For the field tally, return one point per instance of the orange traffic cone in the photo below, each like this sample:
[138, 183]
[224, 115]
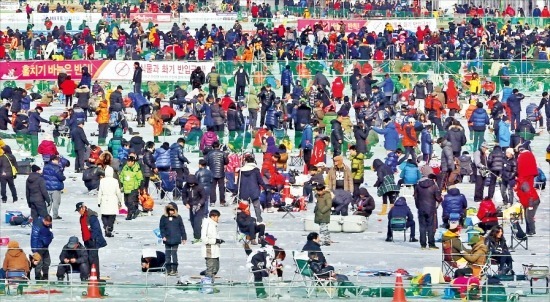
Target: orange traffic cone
[93, 287]
[399, 292]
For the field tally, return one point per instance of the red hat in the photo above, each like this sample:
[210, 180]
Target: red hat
[243, 206]
[270, 239]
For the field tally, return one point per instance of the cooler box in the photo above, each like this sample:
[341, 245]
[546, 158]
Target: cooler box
[10, 214]
[354, 224]
[24, 167]
[335, 225]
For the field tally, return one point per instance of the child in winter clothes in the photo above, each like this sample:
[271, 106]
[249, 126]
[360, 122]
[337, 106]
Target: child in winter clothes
[316, 178]
[426, 143]
[341, 201]
[172, 232]
[365, 203]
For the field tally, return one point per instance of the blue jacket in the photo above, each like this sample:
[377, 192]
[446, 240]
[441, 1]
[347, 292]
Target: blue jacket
[86, 78]
[426, 146]
[207, 110]
[297, 92]
[162, 157]
[506, 93]
[514, 102]
[504, 134]
[272, 117]
[454, 202]
[388, 86]
[138, 100]
[410, 174]
[400, 209]
[479, 119]
[123, 154]
[307, 138]
[41, 236]
[177, 158]
[251, 180]
[391, 137]
[34, 121]
[391, 161]
[53, 175]
[286, 77]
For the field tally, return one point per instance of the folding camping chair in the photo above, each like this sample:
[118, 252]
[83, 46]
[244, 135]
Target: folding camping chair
[534, 273]
[448, 265]
[399, 224]
[518, 236]
[166, 184]
[16, 279]
[311, 280]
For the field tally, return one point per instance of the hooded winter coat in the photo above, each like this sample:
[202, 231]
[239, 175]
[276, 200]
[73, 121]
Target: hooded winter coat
[509, 170]
[400, 209]
[251, 180]
[454, 202]
[83, 96]
[477, 257]
[358, 167]
[504, 134]
[487, 211]
[323, 207]
[479, 119]
[208, 139]
[171, 226]
[115, 144]
[109, 196]
[447, 158]
[456, 136]
[218, 115]
[192, 193]
[427, 195]
[361, 134]
[130, 178]
[15, 259]
[162, 157]
[495, 160]
[177, 156]
[41, 236]
[410, 174]
[36, 192]
[453, 238]
[391, 136]
[337, 132]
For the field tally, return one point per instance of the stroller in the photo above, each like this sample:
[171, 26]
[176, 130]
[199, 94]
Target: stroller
[166, 183]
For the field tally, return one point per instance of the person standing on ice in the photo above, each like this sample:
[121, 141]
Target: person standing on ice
[172, 232]
[91, 234]
[211, 244]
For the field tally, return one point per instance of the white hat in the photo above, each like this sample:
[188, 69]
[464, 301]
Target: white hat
[149, 253]
[411, 120]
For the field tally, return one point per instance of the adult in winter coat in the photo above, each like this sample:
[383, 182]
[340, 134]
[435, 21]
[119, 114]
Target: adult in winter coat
[34, 128]
[391, 136]
[409, 141]
[447, 162]
[525, 190]
[322, 213]
[340, 175]
[286, 80]
[36, 194]
[479, 121]
[496, 243]
[47, 148]
[454, 203]
[361, 134]
[385, 184]
[109, 200]
[341, 202]
[194, 199]
[7, 160]
[248, 225]
[241, 81]
[410, 174]
[364, 203]
[487, 214]
[357, 168]
[162, 157]
[306, 144]
[514, 104]
[15, 259]
[137, 77]
[457, 137]
[86, 79]
[337, 135]
[218, 116]
[495, 163]
[74, 253]
[234, 121]
[53, 175]
[508, 176]
[204, 178]
[82, 94]
[481, 163]
[217, 160]
[250, 185]
[427, 195]
[477, 256]
[41, 238]
[80, 142]
[178, 161]
[272, 117]
[91, 235]
[148, 165]
[211, 241]
[338, 89]
[401, 210]
[504, 133]
[526, 130]
[141, 105]
[5, 116]
[303, 116]
[544, 103]
[172, 232]
[115, 143]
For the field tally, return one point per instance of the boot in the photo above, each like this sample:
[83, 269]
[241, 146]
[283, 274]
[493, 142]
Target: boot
[412, 239]
[351, 287]
[342, 292]
[383, 212]
[260, 291]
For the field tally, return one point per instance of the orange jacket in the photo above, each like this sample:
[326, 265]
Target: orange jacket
[248, 55]
[470, 111]
[157, 124]
[409, 136]
[102, 113]
[14, 43]
[146, 201]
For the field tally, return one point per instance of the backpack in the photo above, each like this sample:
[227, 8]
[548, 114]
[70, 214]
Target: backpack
[540, 178]
[114, 119]
[20, 220]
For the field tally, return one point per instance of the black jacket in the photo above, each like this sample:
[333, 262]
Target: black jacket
[35, 190]
[91, 177]
[337, 132]
[148, 164]
[251, 180]
[303, 116]
[116, 101]
[360, 135]
[79, 139]
[137, 144]
[509, 170]
[382, 170]
[193, 194]
[172, 228]
[179, 95]
[156, 262]
[234, 121]
[216, 161]
[4, 118]
[426, 196]
[5, 166]
[204, 178]
[456, 137]
[241, 78]
[79, 253]
[312, 246]
[177, 156]
[137, 75]
[495, 160]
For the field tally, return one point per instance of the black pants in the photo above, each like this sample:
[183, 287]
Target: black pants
[410, 224]
[356, 184]
[38, 209]
[220, 182]
[196, 221]
[492, 183]
[108, 222]
[307, 156]
[391, 196]
[93, 256]
[171, 252]
[427, 230]
[69, 100]
[180, 178]
[408, 151]
[79, 160]
[530, 213]
[286, 89]
[213, 91]
[263, 112]
[253, 115]
[479, 187]
[131, 202]
[83, 268]
[252, 229]
[239, 91]
[9, 182]
[137, 87]
[102, 131]
[336, 149]
[42, 268]
[141, 112]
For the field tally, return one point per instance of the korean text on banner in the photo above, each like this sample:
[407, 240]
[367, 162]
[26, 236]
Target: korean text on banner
[150, 17]
[45, 70]
[208, 17]
[372, 25]
[62, 18]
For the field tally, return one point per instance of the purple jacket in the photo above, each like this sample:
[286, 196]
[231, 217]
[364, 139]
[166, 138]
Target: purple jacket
[208, 139]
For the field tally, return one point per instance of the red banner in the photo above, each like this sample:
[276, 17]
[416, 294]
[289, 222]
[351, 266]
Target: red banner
[46, 70]
[151, 17]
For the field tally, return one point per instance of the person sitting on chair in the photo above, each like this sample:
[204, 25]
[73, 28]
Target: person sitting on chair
[247, 224]
[499, 250]
[324, 271]
[152, 260]
[74, 253]
[487, 214]
[15, 260]
[364, 203]
[477, 256]
[454, 203]
[401, 210]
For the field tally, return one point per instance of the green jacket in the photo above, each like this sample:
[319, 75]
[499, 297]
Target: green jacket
[358, 166]
[213, 79]
[252, 100]
[116, 142]
[322, 209]
[131, 178]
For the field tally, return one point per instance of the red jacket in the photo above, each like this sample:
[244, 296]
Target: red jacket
[47, 148]
[68, 87]
[319, 152]
[254, 11]
[525, 185]
[167, 111]
[338, 88]
[545, 13]
[226, 102]
[487, 211]
[409, 136]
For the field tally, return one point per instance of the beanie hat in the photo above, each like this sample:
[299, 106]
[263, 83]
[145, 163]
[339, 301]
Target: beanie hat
[243, 206]
[474, 239]
[35, 168]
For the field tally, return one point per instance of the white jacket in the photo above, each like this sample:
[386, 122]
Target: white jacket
[209, 234]
[109, 195]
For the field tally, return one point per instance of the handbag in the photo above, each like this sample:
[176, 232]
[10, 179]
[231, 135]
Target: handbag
[13, 168]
